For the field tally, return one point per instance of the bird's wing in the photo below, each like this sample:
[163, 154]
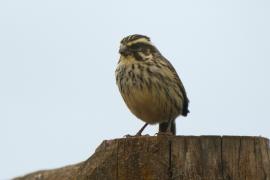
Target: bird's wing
[180, 85]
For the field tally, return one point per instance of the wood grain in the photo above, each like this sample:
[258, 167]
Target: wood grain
[171, 158]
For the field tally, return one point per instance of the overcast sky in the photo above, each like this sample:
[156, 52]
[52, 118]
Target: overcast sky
[58, 96]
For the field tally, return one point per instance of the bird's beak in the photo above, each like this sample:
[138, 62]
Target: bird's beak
[122, 49]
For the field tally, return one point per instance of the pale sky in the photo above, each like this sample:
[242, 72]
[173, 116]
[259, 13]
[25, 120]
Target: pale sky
[58, 96]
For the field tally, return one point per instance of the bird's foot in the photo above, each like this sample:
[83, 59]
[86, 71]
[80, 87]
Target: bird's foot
[136, 135]
[164, 134]
[128, 136]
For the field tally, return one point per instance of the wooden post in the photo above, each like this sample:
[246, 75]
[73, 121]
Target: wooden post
[171, 158]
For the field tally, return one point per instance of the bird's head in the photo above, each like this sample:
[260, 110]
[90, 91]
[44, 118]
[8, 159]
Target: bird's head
[136, 45]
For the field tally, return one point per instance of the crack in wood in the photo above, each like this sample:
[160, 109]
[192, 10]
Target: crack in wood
[173, 158]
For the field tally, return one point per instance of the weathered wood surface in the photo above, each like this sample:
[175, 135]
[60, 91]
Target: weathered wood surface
[171, 158]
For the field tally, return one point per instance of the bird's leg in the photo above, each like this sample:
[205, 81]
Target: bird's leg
[173, 127]
[166, 128]
[139, 133]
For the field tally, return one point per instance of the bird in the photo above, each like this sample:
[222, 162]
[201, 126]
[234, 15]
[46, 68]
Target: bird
[149, 84]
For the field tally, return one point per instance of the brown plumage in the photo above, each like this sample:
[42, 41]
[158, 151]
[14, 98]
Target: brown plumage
[149, 84]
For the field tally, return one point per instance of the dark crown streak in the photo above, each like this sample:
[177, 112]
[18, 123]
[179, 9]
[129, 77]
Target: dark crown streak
[133, 37]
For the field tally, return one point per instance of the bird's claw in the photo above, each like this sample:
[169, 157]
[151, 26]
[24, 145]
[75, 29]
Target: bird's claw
[136, 135]
[164, 134]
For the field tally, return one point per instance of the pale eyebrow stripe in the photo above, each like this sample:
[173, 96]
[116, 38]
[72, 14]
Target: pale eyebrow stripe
[140, 40]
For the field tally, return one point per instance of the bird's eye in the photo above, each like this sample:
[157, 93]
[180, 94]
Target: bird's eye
[136, 47]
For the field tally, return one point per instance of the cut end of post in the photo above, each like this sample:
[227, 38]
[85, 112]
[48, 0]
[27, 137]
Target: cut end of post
[171, 157]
